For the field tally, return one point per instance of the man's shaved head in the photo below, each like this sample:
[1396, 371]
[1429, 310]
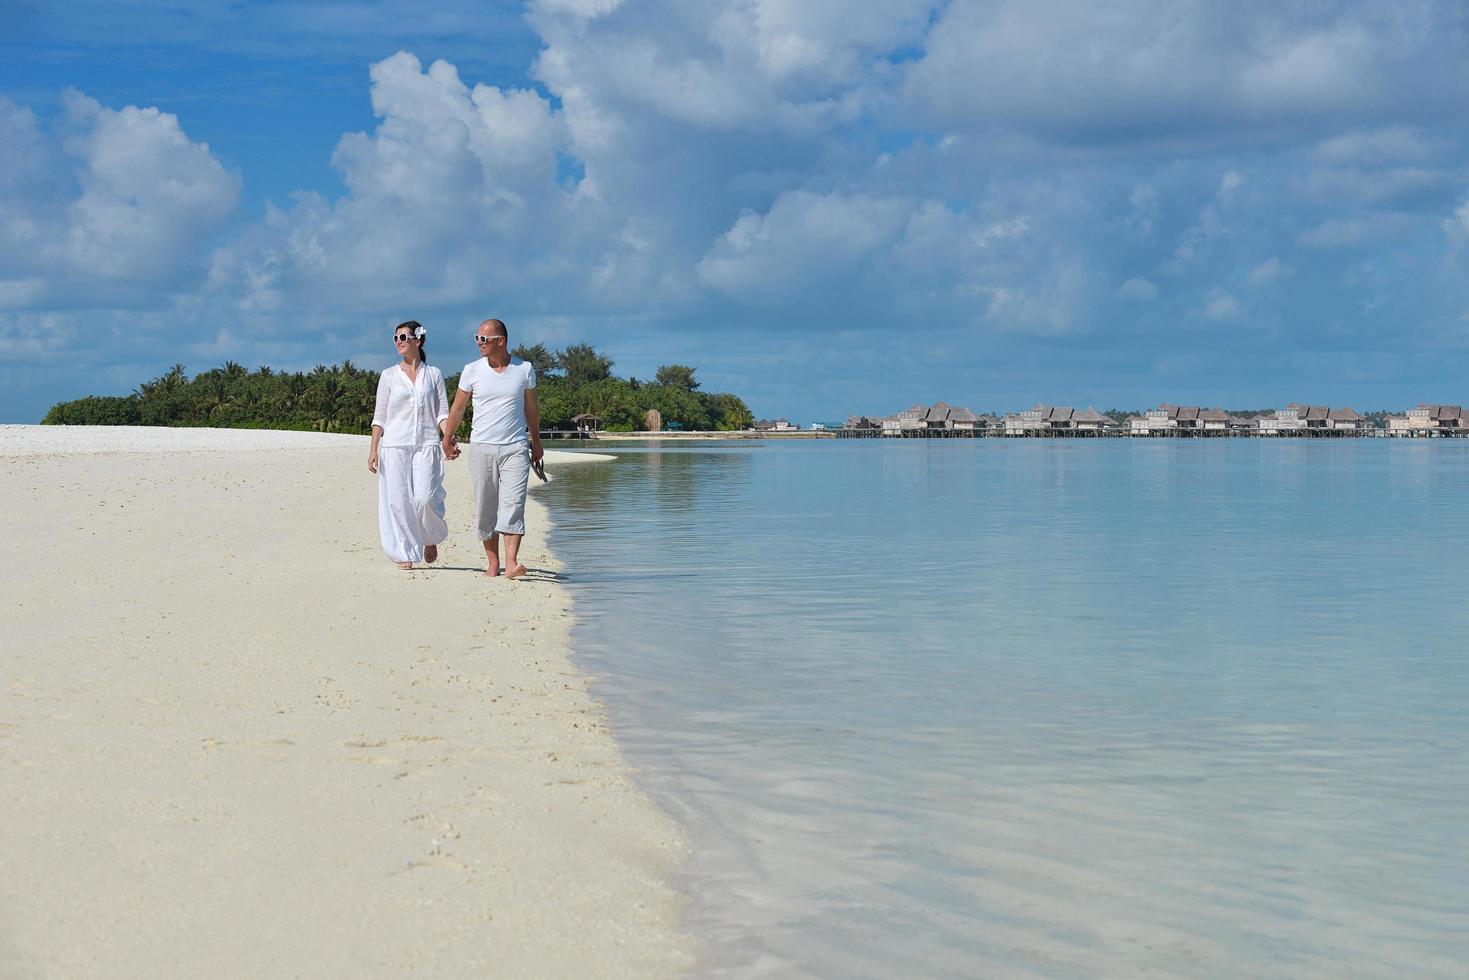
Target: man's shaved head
[497, 326]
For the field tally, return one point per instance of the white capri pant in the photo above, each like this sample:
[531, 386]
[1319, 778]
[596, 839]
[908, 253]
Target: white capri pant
[500, 475]
[410, 499]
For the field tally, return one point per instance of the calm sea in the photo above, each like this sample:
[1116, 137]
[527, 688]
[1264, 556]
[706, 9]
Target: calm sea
[1050, 708]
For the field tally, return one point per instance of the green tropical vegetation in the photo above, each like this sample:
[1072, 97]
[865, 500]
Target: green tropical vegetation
[340, 398]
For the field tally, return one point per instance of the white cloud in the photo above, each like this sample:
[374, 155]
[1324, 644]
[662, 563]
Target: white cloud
[732, 65]
[834, 40]
[1322, 66]
[585, 9]
[1221, 306]
[1138, 289]
[840, 256]
[1194, 244]
[149, 195]
[1407, 186]
[1367, 229]
[1145, 210]
[1456, 225]
[31, 336]
[453, 195]
[1144, 70]
[113, 206]
[803, 239]
[1394, 144]
[1265, 273]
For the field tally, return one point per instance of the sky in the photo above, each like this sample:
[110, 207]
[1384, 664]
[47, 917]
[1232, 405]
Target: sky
[828, 208]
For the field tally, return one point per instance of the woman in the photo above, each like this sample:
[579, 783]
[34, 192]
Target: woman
[407, 430]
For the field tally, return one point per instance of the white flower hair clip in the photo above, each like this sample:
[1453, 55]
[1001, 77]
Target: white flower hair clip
[419, 332]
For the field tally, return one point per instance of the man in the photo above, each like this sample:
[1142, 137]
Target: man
[506, 417]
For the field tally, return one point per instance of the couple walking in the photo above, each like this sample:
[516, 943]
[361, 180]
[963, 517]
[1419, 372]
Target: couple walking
[413, 433]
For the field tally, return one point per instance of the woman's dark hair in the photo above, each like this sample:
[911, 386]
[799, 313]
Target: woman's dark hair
[413, 326]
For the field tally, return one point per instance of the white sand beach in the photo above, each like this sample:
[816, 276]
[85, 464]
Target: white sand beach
[236, 741]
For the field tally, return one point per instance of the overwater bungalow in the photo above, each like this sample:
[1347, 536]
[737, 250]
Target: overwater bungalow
[963, 420]
[1090, 420]
[1055, 420]
[1348, 420]
[1431, 420]
[1283, 421]
[908, 420]
[1312, 420]
[1154, 422]
[1185, 420]
[1216, 421]
[1296, 419]
[938, 419]
[1031, 422]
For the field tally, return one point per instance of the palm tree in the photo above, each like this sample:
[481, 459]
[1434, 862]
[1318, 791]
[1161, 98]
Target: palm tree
[215, 396]
[321, 398]
[296, 387]
[169, 383]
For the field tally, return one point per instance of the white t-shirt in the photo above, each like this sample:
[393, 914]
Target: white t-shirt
[499, 400]
[409, 412]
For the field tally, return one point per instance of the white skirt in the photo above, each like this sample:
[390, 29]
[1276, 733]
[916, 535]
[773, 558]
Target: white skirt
[410, 499]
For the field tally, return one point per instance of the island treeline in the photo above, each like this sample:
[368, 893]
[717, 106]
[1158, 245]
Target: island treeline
[340, 398]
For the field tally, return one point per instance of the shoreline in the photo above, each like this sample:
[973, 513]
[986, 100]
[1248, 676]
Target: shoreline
[706, 436]
[236, 741]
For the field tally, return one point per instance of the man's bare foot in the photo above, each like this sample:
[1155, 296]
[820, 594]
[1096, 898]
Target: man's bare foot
[405, 564]
[493, 569]
[430, 554]
[515, 571]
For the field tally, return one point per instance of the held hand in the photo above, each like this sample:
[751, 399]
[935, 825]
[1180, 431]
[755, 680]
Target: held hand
[450, 447]
[372, 461]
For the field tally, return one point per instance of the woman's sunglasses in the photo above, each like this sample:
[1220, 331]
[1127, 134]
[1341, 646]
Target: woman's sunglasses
[403, 338]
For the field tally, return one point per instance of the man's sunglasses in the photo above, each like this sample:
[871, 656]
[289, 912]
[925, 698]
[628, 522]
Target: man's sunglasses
[485, 340]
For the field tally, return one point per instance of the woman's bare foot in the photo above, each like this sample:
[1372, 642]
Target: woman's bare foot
[515, 571]
[405, 564]
[430, 554]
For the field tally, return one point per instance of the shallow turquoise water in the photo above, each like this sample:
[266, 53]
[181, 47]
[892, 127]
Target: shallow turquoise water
[1044, 708]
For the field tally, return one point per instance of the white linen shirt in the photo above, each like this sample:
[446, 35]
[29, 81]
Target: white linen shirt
[409, 412]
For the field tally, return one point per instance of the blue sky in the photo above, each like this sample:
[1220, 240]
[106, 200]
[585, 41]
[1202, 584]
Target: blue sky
[827, 207]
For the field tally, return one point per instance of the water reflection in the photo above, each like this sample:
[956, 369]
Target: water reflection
[1065, 708]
